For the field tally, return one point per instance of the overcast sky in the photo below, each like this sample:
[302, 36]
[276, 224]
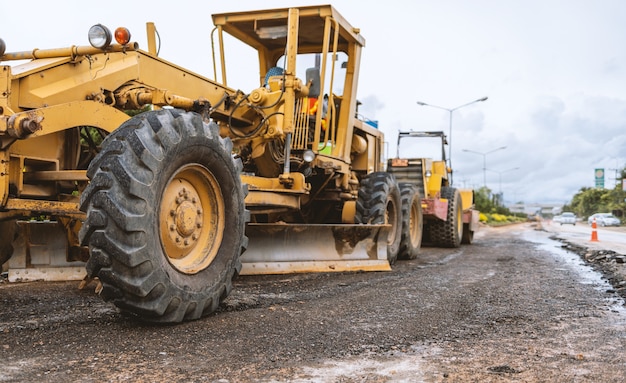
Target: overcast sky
[554, 72]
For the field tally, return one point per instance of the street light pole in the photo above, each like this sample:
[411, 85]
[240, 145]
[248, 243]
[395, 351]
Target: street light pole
[484, 154]
[500, 176]
[450, 111]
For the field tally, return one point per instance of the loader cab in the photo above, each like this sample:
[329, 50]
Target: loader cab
[422, 161]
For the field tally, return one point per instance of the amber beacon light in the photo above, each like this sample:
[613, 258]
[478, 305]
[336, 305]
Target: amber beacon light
[122, 35]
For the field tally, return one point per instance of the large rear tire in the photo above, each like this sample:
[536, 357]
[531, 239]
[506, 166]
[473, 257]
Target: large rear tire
[412, 221]
[379, 203]
[165, 216]
[448, 233]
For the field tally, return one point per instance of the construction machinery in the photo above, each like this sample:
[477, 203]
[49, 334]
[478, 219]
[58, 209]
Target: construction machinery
[167, 184]
[449, 214]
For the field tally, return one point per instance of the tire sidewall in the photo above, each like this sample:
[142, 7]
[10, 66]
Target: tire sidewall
[395, 202]
[204, 152]
[454, 223]
[410, 197]
[378, 193]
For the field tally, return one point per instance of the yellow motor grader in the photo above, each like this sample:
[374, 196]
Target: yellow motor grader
[167, 184]
[448, 213]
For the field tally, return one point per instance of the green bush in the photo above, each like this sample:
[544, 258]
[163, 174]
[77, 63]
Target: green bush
[499, 219]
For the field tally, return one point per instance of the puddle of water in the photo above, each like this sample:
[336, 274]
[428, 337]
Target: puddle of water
[573, 262]
[397, 367]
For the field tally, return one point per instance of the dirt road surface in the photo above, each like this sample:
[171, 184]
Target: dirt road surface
[512, 307]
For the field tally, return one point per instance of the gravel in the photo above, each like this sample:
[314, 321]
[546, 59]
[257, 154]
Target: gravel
[514, 306]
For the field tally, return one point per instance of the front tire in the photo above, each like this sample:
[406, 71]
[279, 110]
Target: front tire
[165, 216]
[412, 222]
[379, 203]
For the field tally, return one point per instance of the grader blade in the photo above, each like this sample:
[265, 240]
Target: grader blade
[299, 248]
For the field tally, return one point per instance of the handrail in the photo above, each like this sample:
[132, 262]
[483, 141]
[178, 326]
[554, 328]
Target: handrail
[72, 51]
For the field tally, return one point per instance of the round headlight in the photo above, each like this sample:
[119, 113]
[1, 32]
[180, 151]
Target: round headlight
[99, 36]
[308, 156]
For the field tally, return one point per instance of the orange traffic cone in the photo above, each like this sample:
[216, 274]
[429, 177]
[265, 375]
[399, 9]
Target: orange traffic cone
[594, 231]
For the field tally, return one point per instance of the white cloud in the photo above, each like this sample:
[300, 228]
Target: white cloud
[554, 72]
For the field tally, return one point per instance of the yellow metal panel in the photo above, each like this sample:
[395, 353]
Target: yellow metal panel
[263, 268]
[5, 75]
[77, 113]
[467, 196]
[151, 33]
[434, 185]
[439, 167]
[46, 207]
[4, 177]
[38, 65]
[271, 200]
[299, 185]
[62, 83]
[69, 273]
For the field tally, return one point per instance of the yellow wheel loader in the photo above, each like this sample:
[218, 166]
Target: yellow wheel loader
[167, 183]
[449, 214]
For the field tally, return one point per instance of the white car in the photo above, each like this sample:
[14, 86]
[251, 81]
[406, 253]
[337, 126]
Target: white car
[568, 218]
[604, 219]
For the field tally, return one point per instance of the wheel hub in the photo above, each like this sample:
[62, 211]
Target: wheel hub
[185, 218]
[192, 216]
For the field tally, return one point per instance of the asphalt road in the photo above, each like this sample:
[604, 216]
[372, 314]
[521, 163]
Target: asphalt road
[514, 306]
[609, 238]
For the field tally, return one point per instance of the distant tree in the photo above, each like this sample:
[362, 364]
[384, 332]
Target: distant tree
[485, 203]
[482, 199]
[588, 201]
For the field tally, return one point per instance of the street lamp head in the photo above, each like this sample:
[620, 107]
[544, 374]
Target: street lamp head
[420, 103]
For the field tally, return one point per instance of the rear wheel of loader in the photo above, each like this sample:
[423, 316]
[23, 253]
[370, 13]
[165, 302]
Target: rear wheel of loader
[412, 222]
[468, 235]
[165, 216]
[448, 233]
[379, 203]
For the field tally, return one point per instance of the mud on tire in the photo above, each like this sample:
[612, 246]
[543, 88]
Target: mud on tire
[379, 203]
[412, 221]
[165, 216]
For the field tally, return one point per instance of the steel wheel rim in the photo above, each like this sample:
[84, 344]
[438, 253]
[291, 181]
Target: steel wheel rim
[459, 221]
[191, 219]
